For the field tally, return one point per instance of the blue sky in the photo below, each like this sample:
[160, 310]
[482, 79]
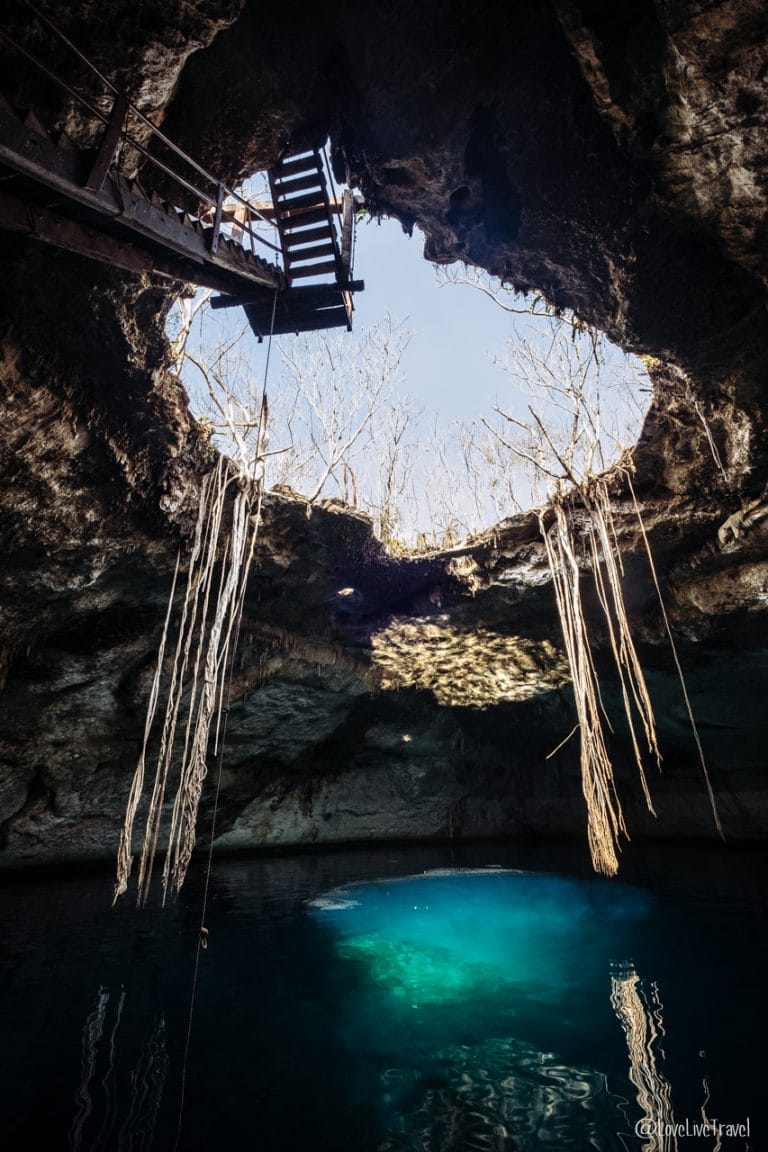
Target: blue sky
[456, 327]
[448, 370]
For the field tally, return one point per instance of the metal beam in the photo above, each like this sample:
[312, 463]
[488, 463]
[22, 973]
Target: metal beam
[42, 224]
[109, 143]
[118, 202]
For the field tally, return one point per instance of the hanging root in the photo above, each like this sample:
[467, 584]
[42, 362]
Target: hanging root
[605, 821]
[124, 858]
[194, 766]
[605, 818]
[207, 632]
[607, 572]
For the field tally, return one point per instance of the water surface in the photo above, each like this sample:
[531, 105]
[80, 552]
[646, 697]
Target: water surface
[397, 999]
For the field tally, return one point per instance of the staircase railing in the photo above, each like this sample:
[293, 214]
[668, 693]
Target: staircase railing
[116, 122]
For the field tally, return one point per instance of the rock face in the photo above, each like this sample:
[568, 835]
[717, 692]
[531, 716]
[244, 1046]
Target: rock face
[607, 156]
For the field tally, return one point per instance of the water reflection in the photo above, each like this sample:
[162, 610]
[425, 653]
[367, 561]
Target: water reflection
[478, 981]
[468, 1010]
[115, 1109]
[92, 1033]
[500, 1095]
[639, 1009]
[642, 1021]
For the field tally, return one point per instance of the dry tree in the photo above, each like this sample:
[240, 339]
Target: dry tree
[345, 421]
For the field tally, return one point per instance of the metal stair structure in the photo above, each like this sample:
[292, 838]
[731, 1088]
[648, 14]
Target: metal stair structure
[58, 195]
[304, 212]
[80, 200]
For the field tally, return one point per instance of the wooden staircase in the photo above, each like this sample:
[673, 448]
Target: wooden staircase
[303, 217]
[313, 252]
[80, 200]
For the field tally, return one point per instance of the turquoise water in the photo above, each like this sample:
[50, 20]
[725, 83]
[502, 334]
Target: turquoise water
[479, 988]
[385, 1002]
[442, 936]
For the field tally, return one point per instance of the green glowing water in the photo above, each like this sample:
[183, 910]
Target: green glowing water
[479, 1010]
[420, 973]
[484, 999]
[439, 937]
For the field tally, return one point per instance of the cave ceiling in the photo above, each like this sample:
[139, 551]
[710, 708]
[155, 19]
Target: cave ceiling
[609, 157]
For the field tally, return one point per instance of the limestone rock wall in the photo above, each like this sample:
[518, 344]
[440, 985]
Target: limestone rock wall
[607, 156]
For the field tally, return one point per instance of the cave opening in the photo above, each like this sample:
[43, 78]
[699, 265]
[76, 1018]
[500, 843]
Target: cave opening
[423, 417]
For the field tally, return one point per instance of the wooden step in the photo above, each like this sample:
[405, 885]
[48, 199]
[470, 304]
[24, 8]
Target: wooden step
[302, 297]
[317, 321]
[321, 269]
[293, 165]
[308, 216]
[303, 184]
[312, 297]
[298, 203]
[310, 236]
[284, 324]
[311, 253]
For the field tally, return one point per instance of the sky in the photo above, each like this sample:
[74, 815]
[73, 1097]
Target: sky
[457, 329]
[447, 367]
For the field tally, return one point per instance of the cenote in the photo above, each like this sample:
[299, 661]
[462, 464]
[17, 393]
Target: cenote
[397, 999]
[425, 656]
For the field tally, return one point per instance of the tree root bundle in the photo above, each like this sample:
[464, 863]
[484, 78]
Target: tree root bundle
[205, 640]
[605, 818]
[589, 503]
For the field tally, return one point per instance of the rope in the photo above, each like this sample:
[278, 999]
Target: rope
[202, 937]
[269, 349]
[678, 666]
